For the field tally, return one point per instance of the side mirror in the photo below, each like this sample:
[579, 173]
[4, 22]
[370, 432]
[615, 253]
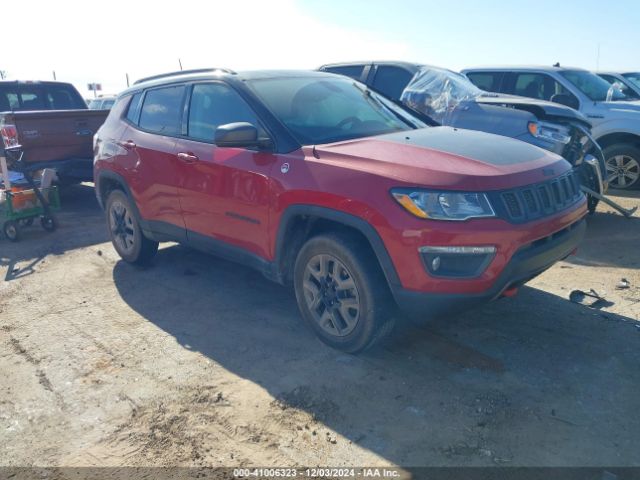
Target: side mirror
[566, 100]
[238, 135]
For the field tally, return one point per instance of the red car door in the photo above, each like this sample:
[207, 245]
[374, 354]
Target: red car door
[150, 146]
[224, 192]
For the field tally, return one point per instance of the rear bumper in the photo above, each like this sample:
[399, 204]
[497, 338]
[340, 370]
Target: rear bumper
[77, 169]
[528, 262]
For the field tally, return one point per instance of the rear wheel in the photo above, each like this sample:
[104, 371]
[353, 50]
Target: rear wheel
[342, 294]
[125, 232]
[623, 166]
[48, 223]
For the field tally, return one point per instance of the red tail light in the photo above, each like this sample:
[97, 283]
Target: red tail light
[9, 136]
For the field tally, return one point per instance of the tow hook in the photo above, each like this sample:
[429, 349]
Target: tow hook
[510, 292]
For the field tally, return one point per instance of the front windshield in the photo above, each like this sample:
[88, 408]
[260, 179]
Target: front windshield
[594, 87]
[436, 92]
[325, 109]
[633, 78]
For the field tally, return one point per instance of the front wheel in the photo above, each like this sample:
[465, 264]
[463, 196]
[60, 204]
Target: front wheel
[342, 293]
[125, 232]
[11, 230]
[623, 166]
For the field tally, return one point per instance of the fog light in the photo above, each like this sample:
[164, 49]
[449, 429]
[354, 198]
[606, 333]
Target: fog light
[435, 264]
[457, 261]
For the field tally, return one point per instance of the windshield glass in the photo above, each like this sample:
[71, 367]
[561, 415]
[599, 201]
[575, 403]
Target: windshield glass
[325, 110]
[436, 92]
[633, 78]
[594, 87]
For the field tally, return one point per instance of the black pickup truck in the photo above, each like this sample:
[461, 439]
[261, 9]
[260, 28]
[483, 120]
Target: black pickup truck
[52, 123]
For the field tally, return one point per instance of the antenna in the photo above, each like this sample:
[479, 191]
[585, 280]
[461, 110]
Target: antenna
[598, 59]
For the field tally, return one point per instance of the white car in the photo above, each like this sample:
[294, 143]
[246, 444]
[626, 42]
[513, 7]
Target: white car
[614, 116]
[102, 103]
[629, 83]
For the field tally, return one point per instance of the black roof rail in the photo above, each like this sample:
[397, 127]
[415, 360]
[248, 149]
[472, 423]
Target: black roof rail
[184, 72]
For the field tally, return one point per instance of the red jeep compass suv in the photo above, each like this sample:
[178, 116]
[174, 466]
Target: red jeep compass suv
[318, 182]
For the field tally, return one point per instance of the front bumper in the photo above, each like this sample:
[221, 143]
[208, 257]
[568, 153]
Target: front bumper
[528, 262]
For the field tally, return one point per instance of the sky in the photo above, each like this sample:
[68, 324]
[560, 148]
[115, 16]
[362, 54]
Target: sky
[106, 41]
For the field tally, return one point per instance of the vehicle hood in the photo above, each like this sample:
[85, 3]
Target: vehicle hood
[540, 108]
[447, 158]
[622, 108]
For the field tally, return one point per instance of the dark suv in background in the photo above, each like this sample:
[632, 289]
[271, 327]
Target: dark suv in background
[448, 98]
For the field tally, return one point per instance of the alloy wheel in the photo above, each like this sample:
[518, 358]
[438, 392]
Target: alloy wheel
[331, 295]
[623, 171]
[122, 228]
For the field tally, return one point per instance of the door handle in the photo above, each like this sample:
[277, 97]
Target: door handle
[187, 157]
[128, 144]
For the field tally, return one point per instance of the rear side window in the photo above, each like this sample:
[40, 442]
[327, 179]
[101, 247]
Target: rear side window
[162, 110]
[31, 99]
[215, 104]
[353, 71]
[134, 108]
[391, 81]
[8, 99]
[487, 81]
[63, 98]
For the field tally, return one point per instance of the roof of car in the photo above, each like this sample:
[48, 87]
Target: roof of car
[518, 68]
[212, 74]
[32, 82]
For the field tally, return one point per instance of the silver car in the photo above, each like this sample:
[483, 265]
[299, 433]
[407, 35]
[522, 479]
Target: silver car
[614, 115]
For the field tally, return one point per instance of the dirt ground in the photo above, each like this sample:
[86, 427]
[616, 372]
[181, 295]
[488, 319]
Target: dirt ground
[196, 361]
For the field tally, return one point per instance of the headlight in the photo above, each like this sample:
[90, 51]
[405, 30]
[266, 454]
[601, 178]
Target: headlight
[550, 131]
[444, 205]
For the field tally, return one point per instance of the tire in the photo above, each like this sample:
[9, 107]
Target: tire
[354, 317]
[622, 162]
[124, 230]
[48, 223]
[11, 230]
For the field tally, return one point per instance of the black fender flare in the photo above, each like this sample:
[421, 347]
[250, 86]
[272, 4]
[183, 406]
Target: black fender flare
[119, 179]
[365, 228]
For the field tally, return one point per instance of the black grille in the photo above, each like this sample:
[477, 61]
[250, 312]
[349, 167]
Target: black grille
[545, 198]
[513, 206]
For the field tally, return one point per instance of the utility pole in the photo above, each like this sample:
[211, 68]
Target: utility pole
[180, 63]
